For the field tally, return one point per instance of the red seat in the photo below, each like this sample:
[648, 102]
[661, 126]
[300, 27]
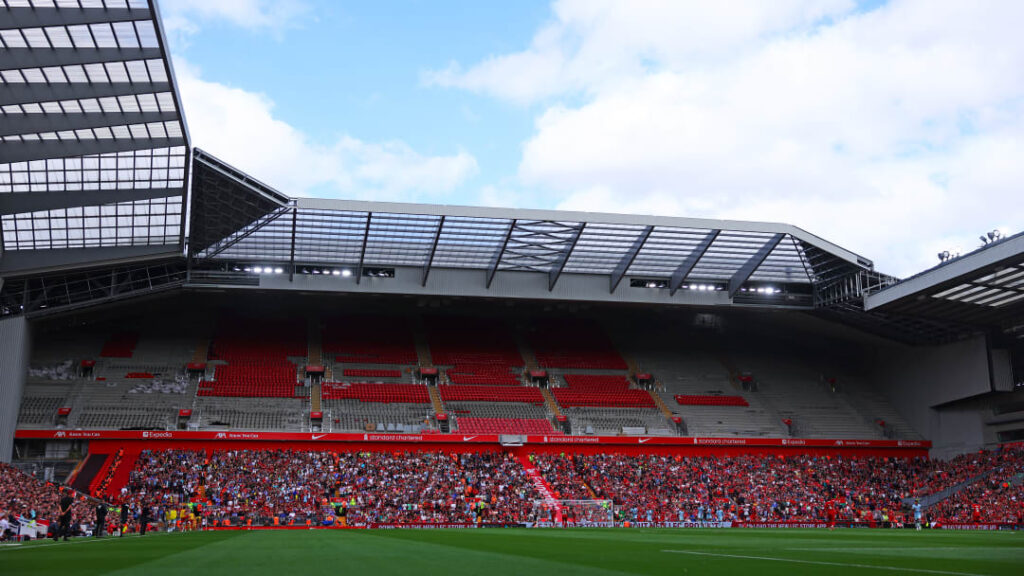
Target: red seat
[505, 426]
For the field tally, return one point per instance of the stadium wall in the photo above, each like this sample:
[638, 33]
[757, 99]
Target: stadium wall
[15, 343]
[922, 382]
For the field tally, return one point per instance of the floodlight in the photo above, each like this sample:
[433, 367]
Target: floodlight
[346, 272]
[278, 270]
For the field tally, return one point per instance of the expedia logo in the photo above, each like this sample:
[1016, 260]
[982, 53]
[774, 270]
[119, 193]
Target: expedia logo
[157, 435]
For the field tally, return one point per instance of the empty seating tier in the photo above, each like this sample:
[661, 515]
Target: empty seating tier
[471, 393]
[371, 373]
[463, 341]
[369, 340]
[484, 374]
[120, 345]
[622, 399]
[504, 426]
[575, 344]
[252, 381]
[597, 382]
[384, 393]
[710, 400]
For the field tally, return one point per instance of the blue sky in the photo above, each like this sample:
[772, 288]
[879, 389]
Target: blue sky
[891, 128]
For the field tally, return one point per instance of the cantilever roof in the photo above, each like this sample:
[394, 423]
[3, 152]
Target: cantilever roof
[984, 287]
[94, 150]
[274, 228]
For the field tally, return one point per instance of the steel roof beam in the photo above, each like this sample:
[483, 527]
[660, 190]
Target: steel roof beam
[19, 58]
[751, 265]
[247, 232]
[433, 250]
[556, 269]
[27, 202]
[362, 251]
[690, 262]
[627, 259]
[27, 93]
[28, 17]
[35, 123]
[496, 261]
[49, 149]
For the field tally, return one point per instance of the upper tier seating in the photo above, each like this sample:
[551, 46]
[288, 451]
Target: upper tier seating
[710, 400]
[121, 345]
[574, 344]
[258, 355]
[259, 341]
[469, 393]
[597, 382]
[466, 340]
[386, 393]
[621, 399]
[371, 373]
[253, 381]
[484, 374]
[469, 425]
[369, 340]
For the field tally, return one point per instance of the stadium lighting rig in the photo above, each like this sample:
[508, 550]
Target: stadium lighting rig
[993, 236]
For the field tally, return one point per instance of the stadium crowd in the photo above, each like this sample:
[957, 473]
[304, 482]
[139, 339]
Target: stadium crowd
[24, 497]
[283, 487]
[189, 489]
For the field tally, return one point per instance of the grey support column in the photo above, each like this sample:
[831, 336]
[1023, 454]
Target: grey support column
[15, 343]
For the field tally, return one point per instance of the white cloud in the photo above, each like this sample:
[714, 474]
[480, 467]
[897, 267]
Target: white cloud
[895, 133]
[240, 128]
[184, 17]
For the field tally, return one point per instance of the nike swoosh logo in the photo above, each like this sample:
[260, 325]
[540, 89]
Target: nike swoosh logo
[318, 436]
[642, 440]
[467, 438]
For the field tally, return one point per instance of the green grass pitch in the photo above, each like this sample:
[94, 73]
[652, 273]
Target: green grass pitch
[495, 552]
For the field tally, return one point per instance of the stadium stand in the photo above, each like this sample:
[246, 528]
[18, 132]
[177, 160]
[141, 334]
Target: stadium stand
[574, 344]
[368, 339]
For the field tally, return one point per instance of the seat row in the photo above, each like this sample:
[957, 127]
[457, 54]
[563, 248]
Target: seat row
[623, 399]
[710, 400]
[468, 425]
[384, 393]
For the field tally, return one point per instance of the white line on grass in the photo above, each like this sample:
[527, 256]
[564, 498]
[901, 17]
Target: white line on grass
[819, 563]
[79, 540]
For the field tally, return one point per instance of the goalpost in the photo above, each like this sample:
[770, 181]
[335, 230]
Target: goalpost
[591, 513]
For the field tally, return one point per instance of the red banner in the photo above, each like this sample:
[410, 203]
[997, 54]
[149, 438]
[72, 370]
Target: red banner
[208, 435]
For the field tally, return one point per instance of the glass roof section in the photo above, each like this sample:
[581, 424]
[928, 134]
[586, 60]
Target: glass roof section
[94, 149]
[307, 232]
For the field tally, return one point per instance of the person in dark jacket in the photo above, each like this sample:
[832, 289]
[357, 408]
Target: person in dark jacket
[64, 515]
[143, 520]
[124, 519]
[101, 520]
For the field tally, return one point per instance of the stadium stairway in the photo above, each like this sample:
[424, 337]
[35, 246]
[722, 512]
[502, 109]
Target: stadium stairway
[435, 400]
[426, 360]
[542, 486]
[119, 479]
[934, 498]
[314, 354]
[549, 401]
[88, 472]
[662, 407]
[529, 358]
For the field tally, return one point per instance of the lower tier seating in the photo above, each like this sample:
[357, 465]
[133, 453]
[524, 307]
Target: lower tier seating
[469, 425]
[567, 397]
